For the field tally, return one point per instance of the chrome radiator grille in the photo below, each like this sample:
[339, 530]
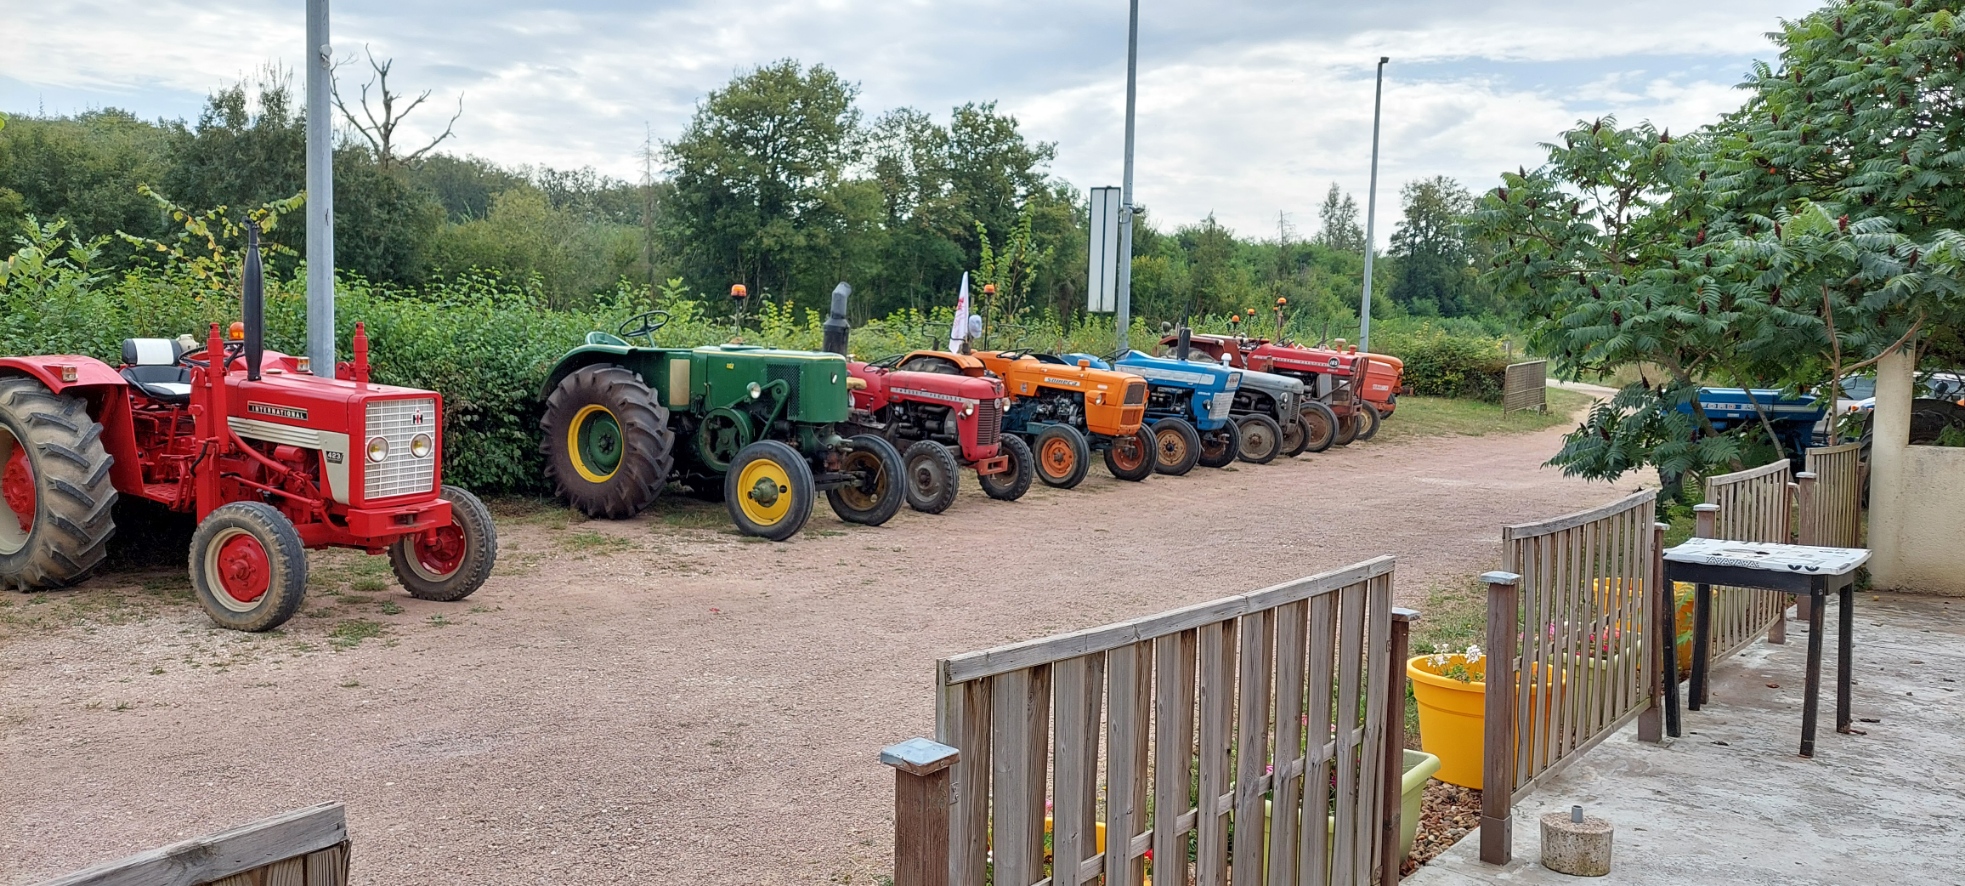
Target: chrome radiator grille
[398, 421]
[989, 423]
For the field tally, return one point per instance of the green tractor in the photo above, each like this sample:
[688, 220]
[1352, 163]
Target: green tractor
[752, 426]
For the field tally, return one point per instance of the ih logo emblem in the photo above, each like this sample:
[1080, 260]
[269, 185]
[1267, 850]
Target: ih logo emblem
[417, 418]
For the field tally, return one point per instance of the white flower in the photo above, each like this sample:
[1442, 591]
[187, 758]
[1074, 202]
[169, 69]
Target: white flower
[1473, 654]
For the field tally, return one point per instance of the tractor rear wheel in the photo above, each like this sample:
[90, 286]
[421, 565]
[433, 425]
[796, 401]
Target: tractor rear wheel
[933, 476]
[1262, 438]
[769, 490]
[1063, 456]
[449, 562]
[608, 445]
[1133, 458]
[1014, 481]
[1347, 429]
[1296, 435]
[248, 566]
[55, 491]
[1371, 419]
[1220, 448]
[878, 495]
[1322, 425]
[1177, 446]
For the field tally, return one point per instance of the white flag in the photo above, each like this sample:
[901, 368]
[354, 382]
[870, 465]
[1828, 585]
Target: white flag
[960, 329]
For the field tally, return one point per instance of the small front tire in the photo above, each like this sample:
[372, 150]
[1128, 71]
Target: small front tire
[1177, 446]
[877, 498]
[1220, 448]
[1371, 421]
[933, 476]
[1321, 422]
[769, 490]
[248, 566]
[448, 563]
[1296, 435]
[1262, 438]
[1013, 482]
[1133, 458]
[1063, 456]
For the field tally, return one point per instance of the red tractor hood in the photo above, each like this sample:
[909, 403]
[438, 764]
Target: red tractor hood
[885, 386]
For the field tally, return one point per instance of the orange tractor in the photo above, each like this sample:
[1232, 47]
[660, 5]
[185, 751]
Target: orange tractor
[1068, 410]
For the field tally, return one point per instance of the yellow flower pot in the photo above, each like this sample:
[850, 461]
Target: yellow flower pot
[1453, 714]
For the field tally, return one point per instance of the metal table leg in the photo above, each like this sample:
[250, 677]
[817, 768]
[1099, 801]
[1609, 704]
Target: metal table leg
[1812, 699]
[1667, 620]
[1844, 646]
[1702, 643]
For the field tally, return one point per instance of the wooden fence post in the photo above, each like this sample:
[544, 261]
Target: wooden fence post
[921, 801]
[1498, 742]
[1809, 534]
[1391, 863]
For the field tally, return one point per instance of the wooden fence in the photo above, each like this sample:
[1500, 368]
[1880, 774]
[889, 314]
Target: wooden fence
[1832, 508]
[1573, 649]
[1525, 386]
[305, 847]
[1277, 712]
[1756, 504]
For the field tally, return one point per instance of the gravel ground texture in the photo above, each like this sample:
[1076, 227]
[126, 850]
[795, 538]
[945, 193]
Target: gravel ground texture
[659, 700]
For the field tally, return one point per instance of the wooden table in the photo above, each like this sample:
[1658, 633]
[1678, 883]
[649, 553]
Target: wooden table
[1794, 569]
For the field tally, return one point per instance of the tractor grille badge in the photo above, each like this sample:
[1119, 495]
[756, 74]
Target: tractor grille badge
[277, 411]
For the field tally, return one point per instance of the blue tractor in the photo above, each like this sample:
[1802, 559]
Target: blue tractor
[1190, 406]
[1793, 418]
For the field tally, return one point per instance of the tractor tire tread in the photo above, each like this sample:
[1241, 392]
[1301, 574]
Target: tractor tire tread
[287, 556]
[480, 534]
[890, 502]
[1022, 472]
[941, 497]
[1324, 419]
[648, 458]
[1081, 456]
[1189, 436]
[1262, 455]
[75, 495]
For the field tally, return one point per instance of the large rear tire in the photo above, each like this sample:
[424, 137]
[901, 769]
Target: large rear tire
[450, 562]
[769, 490]
[1347, 429]
[1220, 448]
[877, 497]
[55, 491]
[933, 476]
[1322, 424]
[1371, 420]
[248, 566]
[1132, 458]
[608, 446]
[1177, 446]
[1296, 435]
[1063, 456]
[1011, 484]
[1262, 438]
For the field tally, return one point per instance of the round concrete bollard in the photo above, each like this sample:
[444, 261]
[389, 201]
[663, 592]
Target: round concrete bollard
[1575, 844]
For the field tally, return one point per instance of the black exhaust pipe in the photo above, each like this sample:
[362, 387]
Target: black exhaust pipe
[255, 305]
[836, 327]
[1183, 342]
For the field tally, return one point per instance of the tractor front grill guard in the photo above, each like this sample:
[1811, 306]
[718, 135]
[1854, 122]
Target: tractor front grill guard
[989, 423]
[1136, 394]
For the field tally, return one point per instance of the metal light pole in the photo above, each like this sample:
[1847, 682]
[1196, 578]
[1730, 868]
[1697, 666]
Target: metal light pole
[1371, 208]
[1125, 312]
[319, 60]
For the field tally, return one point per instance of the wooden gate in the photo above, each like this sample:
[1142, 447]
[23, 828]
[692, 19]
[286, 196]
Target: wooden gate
[1526, 386]
[1269, 712]
[1832, 511]
[1756, 504]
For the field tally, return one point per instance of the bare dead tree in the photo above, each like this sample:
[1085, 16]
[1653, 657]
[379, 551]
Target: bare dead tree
[381, 133]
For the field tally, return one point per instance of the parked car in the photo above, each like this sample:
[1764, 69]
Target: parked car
[1857, 399]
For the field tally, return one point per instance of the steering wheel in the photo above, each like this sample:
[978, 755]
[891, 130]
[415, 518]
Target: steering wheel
[233, 351]
[645, 324]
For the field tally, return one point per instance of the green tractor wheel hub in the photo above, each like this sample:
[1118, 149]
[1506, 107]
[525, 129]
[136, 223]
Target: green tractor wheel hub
[600, 442]
[765, 493]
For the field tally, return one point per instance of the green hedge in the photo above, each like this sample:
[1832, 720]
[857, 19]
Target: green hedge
[1439, 363]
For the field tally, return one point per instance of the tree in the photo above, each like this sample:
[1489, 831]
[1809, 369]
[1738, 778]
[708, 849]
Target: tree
[1337, 223]
[381, 134]
[84, 169]
[1435, 277]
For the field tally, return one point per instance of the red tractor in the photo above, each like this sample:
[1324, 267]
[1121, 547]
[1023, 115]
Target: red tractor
[939, 405]
[270, 459]
[1332, 377]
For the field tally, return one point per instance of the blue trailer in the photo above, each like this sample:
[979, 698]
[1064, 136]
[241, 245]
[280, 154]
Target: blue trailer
[1191, 408]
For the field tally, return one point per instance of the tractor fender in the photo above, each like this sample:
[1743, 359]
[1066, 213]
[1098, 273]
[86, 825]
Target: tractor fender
[108, 396]
[583, 357]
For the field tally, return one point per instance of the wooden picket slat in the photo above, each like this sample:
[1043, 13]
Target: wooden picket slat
[1129, 691]
[1174, 659]
[1350, 648]
[1077, 694]
[966, 726]
[1314, 843]
[1292, 656]
[1217, 687]
[1754, 505]
[1019, 736]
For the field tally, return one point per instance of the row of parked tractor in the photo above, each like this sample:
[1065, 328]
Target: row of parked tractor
[272, 458]
[766, 430]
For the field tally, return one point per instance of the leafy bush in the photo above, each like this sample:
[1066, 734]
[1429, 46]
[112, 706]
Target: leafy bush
[1444, 364]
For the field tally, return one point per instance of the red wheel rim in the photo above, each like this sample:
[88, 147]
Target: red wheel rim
[17, 488]
[440, 551]
[1059, 457]
[243, 569]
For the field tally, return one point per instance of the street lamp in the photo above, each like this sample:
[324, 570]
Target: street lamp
[1371, 208]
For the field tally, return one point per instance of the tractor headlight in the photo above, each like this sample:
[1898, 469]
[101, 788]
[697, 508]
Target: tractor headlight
[755, 390]
[421, 446]
[378, 449]
[968, 409]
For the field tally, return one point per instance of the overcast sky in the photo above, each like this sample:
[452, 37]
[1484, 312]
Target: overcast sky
[1246, 109]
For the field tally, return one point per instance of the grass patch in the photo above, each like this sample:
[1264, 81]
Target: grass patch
[351, 633]
[685, 514]
[588, 541]
[1442, 417]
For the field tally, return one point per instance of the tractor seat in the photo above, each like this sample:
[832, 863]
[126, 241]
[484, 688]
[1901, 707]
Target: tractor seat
[150, 365]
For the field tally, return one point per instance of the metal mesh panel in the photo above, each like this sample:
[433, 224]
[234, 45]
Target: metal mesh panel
[989, 423]
[399, 421]
[1135, 394]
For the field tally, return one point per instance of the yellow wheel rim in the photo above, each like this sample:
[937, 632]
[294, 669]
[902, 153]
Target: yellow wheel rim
[764, 492]
[594, 443]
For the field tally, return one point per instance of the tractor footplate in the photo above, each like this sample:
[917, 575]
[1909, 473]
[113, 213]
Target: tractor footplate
[825, 480]
[990, 467]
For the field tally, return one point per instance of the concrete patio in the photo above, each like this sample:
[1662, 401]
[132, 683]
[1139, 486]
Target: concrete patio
[1730, 802]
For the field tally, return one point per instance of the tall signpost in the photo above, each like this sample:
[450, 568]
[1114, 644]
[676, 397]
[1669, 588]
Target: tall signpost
[1371, 209]
[320, 191]
[1125, 312]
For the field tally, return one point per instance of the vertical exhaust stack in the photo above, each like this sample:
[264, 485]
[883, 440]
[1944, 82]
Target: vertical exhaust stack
[1183, 343]
[255, 305]
[836, 326]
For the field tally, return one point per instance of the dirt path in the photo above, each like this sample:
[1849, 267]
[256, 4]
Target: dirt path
[660, 701]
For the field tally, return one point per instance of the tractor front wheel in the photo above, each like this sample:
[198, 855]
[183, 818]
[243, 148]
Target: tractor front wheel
[1347, 428]
[877, 496]
[248, 566]
[1219, 449]
[449, 562]
[1133, 458]
[1063, 456]
[933, 476]
[608, 445]
[1321, 422]
[1177, 446]
[769, 490]
[1371, 420]
[55, 492]
[1296, 435]
[1262, 438]
[1014, 481]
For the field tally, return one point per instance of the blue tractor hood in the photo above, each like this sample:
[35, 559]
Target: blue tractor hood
[1168, 371]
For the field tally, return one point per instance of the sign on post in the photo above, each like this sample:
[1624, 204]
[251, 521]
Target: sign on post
[1102, 290]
